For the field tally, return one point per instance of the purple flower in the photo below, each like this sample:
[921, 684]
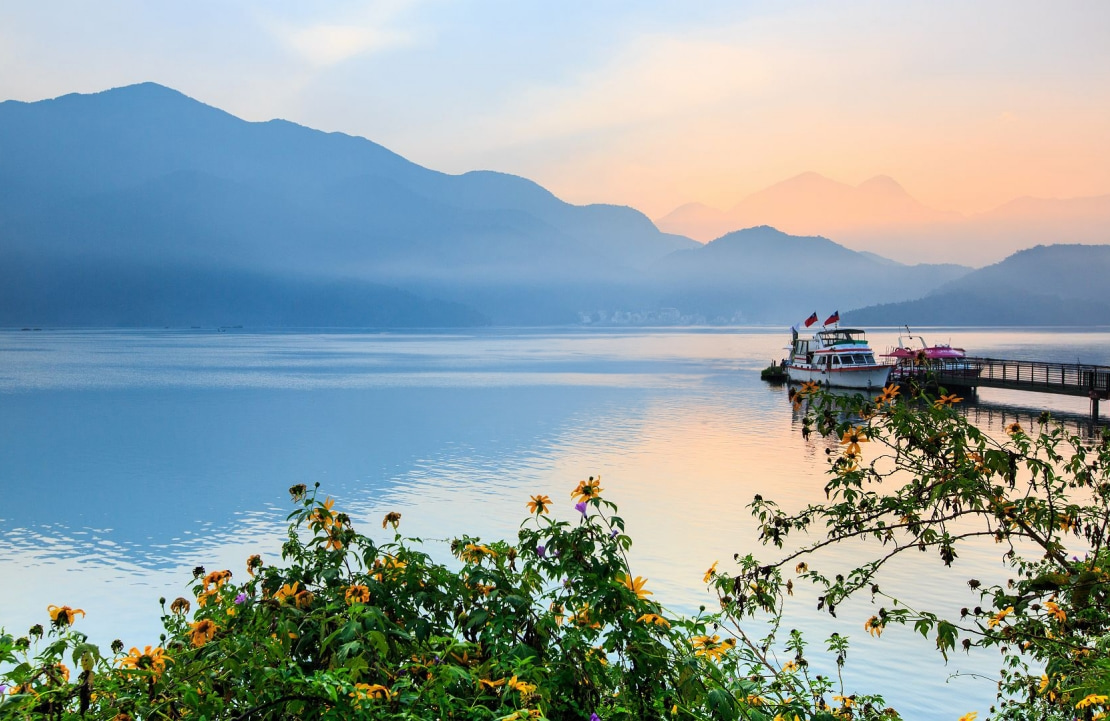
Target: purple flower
[540, 550]
[3, 689]
[595, 717]
[614, 533]
[580, 507]
[241, 598]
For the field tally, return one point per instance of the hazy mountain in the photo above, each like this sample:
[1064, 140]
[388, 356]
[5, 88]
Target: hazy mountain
[1044, 285]
[768, 275]
[880, 216]
[100, 191]
[809, 204]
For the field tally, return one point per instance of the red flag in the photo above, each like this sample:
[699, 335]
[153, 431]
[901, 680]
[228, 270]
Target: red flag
[834, 318]
[811, 320]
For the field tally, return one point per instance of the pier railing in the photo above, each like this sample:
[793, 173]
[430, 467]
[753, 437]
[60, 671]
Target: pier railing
[1073, 379]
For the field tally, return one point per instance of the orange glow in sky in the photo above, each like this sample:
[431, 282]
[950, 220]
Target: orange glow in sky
[652, 105]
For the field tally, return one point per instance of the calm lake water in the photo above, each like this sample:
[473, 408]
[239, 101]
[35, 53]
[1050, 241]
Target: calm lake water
[128, 457]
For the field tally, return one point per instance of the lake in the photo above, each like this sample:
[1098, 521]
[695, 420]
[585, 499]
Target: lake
[128, 457]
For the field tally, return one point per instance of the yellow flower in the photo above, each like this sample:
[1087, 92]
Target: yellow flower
[789, 666]
[522, 714]
[149, 659]
[286, 592]
[809, 388]
[392, 518]
[977, 459]
[874, 626]
[971, 716]
[64, 671]
[524, 688]
[491, 684]
[1044, 683]
[364, 691]
[539, 504]
[636, 585]
[582, 617]
[321, 517]
[202, 632]
[948, 400]
[334, 542]
[653, 618]
[847, 463]
[357, 594]
[801, 567]
[1092, 699]
[180, 606]
[587, 490]
[1054, 609]
[474, 553]
[852, 438]
[997, 618]
[711, 646]
[888, 395]
[63, 615]
[1013, 429]
[710, 572]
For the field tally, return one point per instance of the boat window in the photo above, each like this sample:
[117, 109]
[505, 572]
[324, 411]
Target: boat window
[860, 359]
[836, 360]
[869, 359]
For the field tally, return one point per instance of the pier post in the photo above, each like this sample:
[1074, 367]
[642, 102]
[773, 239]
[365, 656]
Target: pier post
[1094, 405]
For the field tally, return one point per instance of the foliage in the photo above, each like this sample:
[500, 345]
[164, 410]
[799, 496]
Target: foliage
[933, 483]
[555, 626]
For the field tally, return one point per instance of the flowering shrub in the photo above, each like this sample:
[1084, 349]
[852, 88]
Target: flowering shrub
[917, 476]
[554, 626]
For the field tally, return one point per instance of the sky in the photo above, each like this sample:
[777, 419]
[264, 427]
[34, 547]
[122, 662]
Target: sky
[641, 103]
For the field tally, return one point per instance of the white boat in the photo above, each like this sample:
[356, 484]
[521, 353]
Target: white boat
[838, 358]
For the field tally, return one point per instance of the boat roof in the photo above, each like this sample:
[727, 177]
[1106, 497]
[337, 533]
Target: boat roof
[836, 331]
[835, 337]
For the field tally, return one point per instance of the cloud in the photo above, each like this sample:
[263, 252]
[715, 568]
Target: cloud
[373, 28]
[324, 45]
[652, 79]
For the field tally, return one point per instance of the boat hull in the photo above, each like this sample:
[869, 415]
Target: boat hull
[865, 377]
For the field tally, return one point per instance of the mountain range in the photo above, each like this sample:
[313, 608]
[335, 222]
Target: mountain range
[1043, 285]
[139, 206]
[878, 215]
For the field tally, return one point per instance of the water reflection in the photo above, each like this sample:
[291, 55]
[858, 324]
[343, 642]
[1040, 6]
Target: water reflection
[130, 457]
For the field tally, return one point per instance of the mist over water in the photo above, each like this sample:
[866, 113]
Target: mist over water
[131, 456]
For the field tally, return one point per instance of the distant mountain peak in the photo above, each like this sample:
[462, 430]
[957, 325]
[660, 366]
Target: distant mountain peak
[883, 183]
[146, 91]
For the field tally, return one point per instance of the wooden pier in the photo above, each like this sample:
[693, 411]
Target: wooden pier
[1069, 379]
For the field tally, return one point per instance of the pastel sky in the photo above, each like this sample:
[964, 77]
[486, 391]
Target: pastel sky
[644, 103]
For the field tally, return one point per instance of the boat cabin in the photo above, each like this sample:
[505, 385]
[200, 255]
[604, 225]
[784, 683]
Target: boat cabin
[846, 360]
[834, 349]
[842, 336]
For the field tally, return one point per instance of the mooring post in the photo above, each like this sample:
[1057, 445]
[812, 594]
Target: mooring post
[1094, 405]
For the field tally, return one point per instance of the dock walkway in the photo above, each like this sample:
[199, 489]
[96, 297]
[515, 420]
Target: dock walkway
[1069, 379]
